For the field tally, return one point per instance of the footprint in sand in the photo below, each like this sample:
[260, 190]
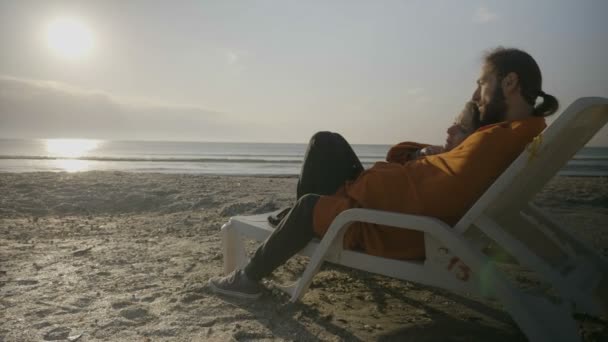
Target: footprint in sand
[132, 312]
[41, 325]
[152, 297]
[83, 302]
[121, 304]
[137, 314]
[169, 332]
[43, 312]
[60, 333]
[192, 297]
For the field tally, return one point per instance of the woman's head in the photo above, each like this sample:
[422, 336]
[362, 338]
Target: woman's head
[464, 125]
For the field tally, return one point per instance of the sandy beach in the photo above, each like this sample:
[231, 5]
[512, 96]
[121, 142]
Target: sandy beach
[109, 256]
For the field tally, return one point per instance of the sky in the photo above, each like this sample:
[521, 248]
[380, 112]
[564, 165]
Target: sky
[377, 72]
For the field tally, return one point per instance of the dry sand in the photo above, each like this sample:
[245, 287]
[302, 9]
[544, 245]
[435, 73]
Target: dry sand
[117, 256]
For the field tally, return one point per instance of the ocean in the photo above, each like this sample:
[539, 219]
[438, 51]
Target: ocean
[204, 157]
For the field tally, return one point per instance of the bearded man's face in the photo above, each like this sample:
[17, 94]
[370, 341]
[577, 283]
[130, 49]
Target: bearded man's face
[489, 97]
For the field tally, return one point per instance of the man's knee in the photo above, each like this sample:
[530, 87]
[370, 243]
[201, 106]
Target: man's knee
[321, 137]
[326, 138]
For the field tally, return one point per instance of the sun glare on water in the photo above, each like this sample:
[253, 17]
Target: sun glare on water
[70, 149]
[71, 165]
[69, 38]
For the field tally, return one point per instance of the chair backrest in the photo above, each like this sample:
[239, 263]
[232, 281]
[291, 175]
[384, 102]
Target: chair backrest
[541, 160]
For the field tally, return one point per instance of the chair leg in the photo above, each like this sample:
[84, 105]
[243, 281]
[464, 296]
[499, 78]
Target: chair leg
[232, 248]
[289, 289]
[330, 243]
[541, 320]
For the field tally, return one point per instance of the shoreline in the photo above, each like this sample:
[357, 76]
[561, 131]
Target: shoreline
[257, 175]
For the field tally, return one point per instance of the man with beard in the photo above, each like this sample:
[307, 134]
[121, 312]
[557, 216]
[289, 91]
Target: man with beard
[443, 185]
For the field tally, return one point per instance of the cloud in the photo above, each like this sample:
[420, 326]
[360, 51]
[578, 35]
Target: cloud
[415, 91]
[484, 15]
[418, 95]
[232, 57]
[47, 109]
[235, 57]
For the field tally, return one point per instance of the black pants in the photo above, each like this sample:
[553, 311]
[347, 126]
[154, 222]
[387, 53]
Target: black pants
[329, 162]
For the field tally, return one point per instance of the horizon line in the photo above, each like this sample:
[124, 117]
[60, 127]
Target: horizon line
[220, 141]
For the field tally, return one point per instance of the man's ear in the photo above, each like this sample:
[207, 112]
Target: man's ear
[510, 83]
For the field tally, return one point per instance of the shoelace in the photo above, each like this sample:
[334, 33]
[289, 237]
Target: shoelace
[233, 277]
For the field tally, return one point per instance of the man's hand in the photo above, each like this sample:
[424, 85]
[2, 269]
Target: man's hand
[430, 150]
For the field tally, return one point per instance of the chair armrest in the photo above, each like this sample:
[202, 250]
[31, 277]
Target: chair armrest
[434, 227]
[425, 224]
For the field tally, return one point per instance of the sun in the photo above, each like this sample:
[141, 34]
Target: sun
[69, 38]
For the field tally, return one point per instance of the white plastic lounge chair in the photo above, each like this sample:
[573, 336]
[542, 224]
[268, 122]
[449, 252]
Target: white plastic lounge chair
[577, 273]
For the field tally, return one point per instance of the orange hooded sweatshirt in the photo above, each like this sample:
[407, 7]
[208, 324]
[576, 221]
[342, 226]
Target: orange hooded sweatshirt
[444, 186]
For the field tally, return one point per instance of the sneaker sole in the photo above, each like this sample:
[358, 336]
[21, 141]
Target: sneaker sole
[234, 293]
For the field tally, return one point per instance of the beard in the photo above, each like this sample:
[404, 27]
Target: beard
[495, 110]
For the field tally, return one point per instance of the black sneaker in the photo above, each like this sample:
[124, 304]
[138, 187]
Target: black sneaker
[236, 284]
